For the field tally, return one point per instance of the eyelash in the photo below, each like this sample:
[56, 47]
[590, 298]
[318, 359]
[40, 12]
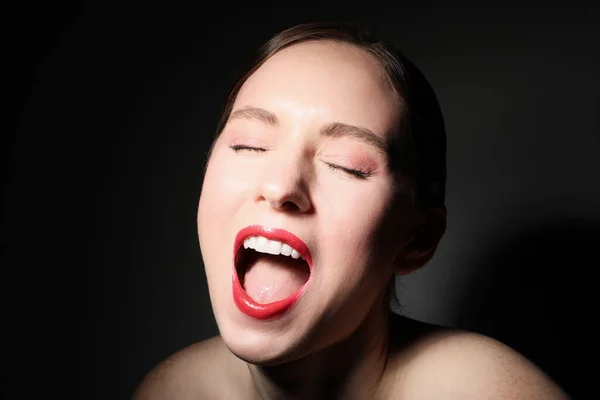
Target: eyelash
[356, 173]
[238, 147]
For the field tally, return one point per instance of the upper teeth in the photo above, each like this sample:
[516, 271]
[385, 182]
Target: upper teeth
[264, 245]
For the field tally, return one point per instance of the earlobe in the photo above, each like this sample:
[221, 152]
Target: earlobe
[421, 242]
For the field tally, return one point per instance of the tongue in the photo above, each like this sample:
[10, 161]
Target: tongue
[270, 278]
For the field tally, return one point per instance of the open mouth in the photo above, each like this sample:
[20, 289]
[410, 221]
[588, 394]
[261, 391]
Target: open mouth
[272, 269]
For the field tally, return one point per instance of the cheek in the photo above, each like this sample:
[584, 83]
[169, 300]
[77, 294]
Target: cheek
[216, 205]
[356, 205]
[353, 223]
[224, 184]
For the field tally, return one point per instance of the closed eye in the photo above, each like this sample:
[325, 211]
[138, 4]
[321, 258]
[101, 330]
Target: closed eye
[239, 147]
[356, 173]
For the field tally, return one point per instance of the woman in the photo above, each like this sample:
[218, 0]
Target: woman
[326, 179]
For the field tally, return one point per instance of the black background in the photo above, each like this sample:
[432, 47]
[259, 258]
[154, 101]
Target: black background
[112, 108]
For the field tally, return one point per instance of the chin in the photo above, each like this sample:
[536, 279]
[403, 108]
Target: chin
[266, 347]
[263, 343]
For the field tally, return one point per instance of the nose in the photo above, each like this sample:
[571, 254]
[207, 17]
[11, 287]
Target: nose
[284, 185]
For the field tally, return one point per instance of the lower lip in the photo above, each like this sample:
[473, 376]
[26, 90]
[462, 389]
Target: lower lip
[268, 310]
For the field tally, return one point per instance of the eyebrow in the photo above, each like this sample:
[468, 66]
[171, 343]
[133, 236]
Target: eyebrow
[255, 113]
[334, 129]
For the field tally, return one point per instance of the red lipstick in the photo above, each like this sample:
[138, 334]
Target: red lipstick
[241, 299]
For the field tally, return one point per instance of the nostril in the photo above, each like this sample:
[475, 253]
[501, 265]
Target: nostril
[290, 206]
[286, 205]
[293, 197]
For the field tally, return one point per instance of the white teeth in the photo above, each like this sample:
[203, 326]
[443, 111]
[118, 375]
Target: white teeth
[261, 244]
[286, 249]
[275, 247]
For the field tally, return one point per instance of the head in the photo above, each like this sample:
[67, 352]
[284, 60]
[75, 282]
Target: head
[338, 139]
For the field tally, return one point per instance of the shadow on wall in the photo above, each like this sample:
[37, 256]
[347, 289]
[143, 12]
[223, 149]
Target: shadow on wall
[534, 292]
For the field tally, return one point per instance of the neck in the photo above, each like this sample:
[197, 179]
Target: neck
[352, 368]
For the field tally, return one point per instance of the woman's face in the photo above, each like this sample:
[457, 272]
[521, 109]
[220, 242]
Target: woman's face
[302, 162]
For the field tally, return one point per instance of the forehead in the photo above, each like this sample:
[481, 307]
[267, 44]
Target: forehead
[327, 82]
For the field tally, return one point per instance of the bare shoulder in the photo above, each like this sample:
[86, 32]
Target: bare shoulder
[191, 372]
[453, 364]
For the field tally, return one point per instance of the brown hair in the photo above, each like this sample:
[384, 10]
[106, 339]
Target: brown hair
[419, 150]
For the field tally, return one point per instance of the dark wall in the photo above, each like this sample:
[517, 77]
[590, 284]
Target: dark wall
[116, 107]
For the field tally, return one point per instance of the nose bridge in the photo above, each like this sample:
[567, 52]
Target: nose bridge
[284, 181]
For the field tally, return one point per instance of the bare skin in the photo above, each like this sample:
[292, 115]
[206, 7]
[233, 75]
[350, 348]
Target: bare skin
[423, 362]
[284, 162]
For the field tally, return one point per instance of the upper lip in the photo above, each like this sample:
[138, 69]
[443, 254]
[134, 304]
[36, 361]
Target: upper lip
[274, 234]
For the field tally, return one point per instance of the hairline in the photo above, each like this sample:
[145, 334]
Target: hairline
[368, 50]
